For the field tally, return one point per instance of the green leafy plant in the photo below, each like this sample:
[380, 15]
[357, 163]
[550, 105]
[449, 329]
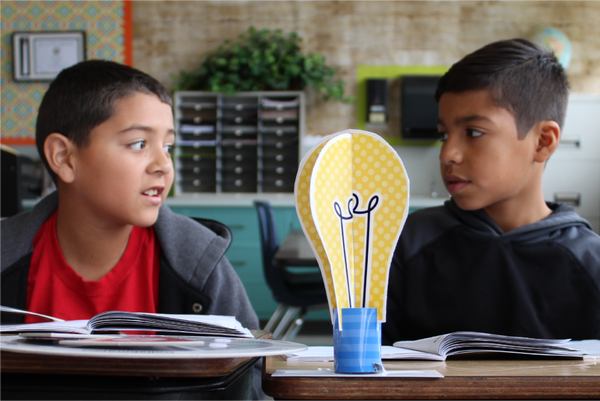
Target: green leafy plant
[263, 60]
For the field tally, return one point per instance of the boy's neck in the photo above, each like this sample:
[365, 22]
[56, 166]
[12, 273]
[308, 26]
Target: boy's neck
[513, 213]
[89, 247]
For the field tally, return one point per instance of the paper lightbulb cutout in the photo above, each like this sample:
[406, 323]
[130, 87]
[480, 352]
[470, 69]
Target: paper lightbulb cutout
[352, 199]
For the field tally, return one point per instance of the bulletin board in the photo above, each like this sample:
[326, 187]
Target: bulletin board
[108, 29]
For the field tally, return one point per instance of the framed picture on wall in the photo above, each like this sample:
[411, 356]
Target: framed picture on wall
[40, 56]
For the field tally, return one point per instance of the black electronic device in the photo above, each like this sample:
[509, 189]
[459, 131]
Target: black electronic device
[377, 101]
[418, 108]
[11, 184]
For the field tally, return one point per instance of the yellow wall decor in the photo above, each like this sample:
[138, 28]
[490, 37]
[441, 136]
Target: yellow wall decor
[391, 130]
[352, 198]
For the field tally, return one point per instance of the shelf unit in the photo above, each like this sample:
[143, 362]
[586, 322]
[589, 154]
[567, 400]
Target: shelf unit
[248, 142]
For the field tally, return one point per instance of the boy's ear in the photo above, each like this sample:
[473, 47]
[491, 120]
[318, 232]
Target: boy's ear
[58, 150]
[547, 138]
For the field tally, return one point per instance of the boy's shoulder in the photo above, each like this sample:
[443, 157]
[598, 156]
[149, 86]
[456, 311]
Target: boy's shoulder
[18, 232]
[425, 225]
[188, 243]
[171, 224]
[563, 227]
[449, 215]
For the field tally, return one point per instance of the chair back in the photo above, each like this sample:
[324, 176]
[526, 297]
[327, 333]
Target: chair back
[274, 275]
[268, 230]
[288, 289]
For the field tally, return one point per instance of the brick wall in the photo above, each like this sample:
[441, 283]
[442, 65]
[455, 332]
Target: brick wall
[173, 35]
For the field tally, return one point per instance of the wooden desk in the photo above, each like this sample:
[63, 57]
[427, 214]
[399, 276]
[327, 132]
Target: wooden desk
[34, 376]
[464, 379]
[295, 251]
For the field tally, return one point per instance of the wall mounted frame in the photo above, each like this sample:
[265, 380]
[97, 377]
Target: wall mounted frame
[40, 56]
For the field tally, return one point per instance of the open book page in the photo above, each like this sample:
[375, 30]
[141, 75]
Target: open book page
[473, 342]
[587, 347]
[169, 323]
[325, 354]
[212, 325]
[7, 309]
[68, 326]
[431, 345]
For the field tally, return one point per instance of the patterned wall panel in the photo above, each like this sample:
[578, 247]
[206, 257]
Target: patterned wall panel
[106, 36]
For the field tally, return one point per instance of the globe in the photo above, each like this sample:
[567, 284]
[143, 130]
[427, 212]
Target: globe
[552, 39]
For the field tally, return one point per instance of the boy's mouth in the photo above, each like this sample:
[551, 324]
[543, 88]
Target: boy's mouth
[454, 183]
[153, 192]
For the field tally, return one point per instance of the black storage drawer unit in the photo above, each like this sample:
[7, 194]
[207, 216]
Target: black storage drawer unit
[248, 142]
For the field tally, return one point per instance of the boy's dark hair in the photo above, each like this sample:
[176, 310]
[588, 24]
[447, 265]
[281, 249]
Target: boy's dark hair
[83, 96]
[521, 76]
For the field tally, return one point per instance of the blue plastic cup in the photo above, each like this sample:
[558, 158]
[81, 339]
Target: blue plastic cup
[357, 348]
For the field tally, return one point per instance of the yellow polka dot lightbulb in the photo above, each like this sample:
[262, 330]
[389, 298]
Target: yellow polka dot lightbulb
[352, 197]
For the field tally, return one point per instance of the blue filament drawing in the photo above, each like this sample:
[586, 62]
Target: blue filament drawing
[338, 211]
[353, 210]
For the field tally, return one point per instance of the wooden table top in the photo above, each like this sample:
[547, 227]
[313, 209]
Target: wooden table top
[464, 379]
[13, 362]
[295, 251]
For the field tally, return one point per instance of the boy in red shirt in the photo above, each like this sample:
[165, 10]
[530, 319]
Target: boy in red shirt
[104, 240]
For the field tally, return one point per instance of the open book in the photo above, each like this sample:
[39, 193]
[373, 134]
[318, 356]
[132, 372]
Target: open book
[464, 342]
[115, 321]
[469, 342]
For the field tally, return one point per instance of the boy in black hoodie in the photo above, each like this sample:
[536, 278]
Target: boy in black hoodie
[496, 257]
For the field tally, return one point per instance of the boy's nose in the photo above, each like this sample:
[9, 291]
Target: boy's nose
[161, 162]
[451, 151]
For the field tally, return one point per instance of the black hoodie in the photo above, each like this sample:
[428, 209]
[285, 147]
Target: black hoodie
[456, 270]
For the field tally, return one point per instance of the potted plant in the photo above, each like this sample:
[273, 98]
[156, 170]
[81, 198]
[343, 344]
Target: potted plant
[263, 60]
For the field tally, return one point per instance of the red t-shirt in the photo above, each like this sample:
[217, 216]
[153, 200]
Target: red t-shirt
[55, 289]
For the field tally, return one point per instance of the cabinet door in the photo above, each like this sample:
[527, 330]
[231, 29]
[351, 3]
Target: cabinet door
[580, 138]
[571, 174]
[576, 183]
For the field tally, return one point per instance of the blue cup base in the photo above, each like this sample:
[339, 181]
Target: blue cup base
[357, 347]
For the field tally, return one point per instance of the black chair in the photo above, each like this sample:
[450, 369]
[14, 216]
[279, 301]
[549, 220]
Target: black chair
[11, 183]
[296, 292]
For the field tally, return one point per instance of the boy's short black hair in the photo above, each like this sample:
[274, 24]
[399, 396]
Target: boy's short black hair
[521, 76]
[83, 96]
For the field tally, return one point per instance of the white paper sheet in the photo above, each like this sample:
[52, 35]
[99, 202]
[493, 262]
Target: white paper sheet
[434, 374]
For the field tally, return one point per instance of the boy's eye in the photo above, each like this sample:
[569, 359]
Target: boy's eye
[443, 136]
[139, 145]
[169, 148]
[473, 133]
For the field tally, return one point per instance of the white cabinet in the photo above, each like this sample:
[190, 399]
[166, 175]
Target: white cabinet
[572, 174]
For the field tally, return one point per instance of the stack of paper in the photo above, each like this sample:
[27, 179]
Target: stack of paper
[325, 354]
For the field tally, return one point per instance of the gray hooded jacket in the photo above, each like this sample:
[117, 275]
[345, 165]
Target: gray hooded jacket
[195, 276]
